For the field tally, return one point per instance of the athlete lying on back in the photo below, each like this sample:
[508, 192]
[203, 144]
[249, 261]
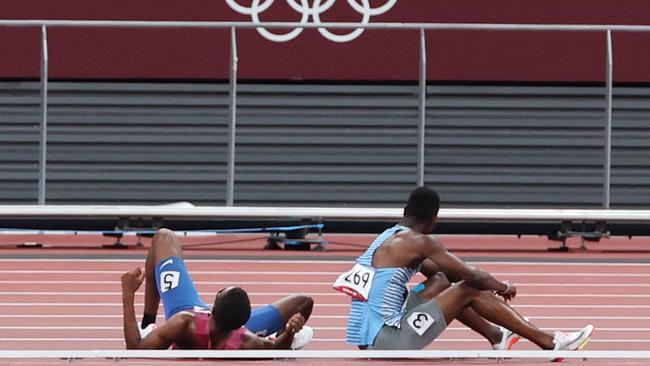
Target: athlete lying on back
[190, 323]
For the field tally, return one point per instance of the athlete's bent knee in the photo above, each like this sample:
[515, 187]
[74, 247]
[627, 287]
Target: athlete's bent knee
[306, 303]
[307, 300]
[163, 234]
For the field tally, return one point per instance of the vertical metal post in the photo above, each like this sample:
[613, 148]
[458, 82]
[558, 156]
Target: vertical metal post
[230, 185]
[422, 107]
[608, 124]
[42, 149]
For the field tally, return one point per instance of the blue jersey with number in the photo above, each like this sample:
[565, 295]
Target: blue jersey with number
[385, 305]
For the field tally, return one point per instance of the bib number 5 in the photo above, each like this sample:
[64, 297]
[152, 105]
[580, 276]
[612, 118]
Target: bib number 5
[169, 280]
[356, 282]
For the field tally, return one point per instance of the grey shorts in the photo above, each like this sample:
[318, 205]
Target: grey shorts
[423, 322]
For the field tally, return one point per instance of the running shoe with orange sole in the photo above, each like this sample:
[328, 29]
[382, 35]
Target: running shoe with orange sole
[508, 340]
[572, 341]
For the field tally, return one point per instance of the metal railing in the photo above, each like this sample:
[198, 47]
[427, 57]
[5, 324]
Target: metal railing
[233, 26]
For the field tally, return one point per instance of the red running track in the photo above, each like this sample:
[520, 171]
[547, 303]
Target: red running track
[63, 304]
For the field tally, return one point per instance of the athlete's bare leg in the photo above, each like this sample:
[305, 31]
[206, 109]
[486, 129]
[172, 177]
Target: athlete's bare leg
[437, 283]
[290, 305]
[165, 244]
[454, 300]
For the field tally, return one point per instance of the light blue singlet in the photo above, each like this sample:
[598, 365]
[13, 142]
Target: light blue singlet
[388, 293]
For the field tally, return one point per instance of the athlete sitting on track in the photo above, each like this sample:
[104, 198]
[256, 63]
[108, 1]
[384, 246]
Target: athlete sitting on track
[384, 315]
[191, 324]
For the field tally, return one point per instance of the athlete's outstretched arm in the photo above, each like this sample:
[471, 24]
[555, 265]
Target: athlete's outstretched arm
[457, 270]
[131, 282]
[253, 341]
[284, 340]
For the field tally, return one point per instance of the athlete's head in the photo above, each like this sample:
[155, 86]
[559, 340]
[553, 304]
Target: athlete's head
[422, 206]
[231, 309]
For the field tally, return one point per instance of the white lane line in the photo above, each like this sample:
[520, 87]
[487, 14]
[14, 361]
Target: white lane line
[316, 339]
[329, 283]
[72, 327]
[240, 273]
[281, 294]
[60, 339]
[321, 273]
[586, 317]
[112, 316]
[465, 340]
[454, 329]
[303, 260]
[116, 282]
[553, 306]
[568, 274]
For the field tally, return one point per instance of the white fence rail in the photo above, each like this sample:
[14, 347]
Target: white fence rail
[606, 29]
[320, 354]
[319, 213]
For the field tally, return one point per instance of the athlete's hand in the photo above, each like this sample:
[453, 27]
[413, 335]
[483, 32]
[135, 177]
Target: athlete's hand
[295, 323]
[132, 280]
[509, 293]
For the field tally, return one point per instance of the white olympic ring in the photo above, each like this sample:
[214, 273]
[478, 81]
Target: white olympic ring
[314, 12]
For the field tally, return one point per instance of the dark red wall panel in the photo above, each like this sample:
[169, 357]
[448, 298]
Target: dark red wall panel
[375, 55]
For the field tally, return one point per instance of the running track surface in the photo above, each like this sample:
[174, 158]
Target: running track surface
[74, 302]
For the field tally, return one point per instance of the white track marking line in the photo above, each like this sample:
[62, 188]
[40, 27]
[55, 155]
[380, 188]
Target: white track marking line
[303, 260]
[471, 340]
[323, 294]
[110, 316]
[317, 273]
[316, 339]
[346, 305]
[453, 329]
[534, 317]
[308, 283]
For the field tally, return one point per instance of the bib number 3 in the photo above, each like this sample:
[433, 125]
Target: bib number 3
[420, 322]
[356, 282]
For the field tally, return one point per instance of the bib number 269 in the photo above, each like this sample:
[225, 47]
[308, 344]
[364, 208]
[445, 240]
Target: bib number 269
[356, 282]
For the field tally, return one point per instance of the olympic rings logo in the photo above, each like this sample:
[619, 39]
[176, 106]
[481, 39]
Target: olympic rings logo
[310, 13]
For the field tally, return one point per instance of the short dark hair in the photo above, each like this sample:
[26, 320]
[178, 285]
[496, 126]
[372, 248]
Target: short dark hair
[231, 309]
[423, 204]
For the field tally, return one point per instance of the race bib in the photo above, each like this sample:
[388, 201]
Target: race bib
[356, 282]
[169, 280]
[420, 322]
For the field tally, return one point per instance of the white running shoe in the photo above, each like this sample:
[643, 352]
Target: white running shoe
[144, 332]
[508, 340]
[302, 337]
[572, 341]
